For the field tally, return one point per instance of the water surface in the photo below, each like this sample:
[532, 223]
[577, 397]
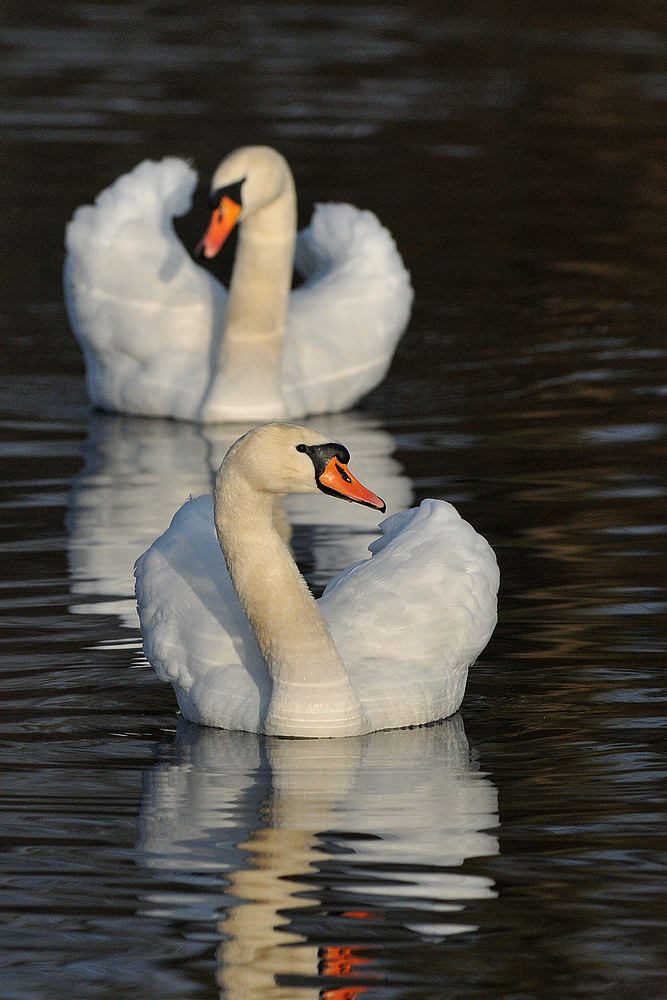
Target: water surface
[518, 156]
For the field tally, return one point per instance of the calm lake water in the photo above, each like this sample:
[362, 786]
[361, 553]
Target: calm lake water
[516, 851]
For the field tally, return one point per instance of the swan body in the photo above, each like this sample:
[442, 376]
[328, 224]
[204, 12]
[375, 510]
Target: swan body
[229, 620]
[161, 336]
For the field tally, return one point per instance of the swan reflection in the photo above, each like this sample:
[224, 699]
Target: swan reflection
[138, 472]
[330, 851]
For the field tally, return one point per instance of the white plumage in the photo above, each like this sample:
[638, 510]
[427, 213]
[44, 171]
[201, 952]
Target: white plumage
[152, 323]
[407, 623]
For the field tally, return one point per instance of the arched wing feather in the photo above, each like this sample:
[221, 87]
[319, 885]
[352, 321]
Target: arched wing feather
[142, 310]
[196, 634]
[344, 322]
[409, 621]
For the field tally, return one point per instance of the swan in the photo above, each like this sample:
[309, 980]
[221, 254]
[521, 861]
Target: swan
[230, 622]
[162, 338]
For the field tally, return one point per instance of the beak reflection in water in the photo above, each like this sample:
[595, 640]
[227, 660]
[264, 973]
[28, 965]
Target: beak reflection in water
[256, 812]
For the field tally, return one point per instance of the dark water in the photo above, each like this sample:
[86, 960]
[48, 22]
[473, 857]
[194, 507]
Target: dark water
[519, 156]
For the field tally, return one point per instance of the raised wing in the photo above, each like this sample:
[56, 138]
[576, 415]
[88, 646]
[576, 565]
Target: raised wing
[195, 632]
[409, 621]
[345, 320]
[142, 310]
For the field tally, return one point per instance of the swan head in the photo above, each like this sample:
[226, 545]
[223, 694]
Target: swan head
[286, 458]
[244, 182]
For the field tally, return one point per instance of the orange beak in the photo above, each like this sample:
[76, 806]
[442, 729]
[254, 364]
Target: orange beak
[222, 222]
[337, 480]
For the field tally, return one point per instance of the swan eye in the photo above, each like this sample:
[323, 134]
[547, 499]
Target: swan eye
[232, 191]
[301, 447]
[343, 474]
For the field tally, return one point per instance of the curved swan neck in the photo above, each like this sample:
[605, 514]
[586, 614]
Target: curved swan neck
[262, 276]
[246, 373]
[312, 694]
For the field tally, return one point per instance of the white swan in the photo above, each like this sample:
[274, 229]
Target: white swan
[387, 645]
[160, 335]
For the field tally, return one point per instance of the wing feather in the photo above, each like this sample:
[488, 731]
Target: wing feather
[142, 310]
[344, 322]
[409, 621]
[196, 634]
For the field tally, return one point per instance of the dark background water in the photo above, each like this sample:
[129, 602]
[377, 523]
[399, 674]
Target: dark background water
[518, 153]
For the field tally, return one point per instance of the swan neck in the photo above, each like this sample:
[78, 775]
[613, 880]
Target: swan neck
[262, 275]
[311, 688]
[246, 372]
